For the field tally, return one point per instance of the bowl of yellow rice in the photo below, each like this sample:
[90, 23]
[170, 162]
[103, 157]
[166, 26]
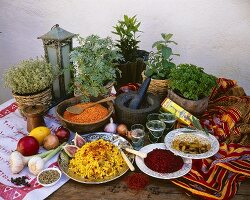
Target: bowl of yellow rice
[97, 161]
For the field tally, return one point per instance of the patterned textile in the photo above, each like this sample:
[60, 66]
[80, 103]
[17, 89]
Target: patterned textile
[227, 118]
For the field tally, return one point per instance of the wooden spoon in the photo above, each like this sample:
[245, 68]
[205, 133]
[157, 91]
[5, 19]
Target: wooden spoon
[77, 109]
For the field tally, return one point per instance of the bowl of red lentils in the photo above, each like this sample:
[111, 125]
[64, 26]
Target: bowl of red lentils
[49, 177]
[90, 120]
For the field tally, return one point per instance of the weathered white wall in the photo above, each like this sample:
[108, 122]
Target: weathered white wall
[214, 34]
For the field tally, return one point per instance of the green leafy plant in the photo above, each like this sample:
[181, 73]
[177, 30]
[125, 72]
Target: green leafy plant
[94, 64]
[191, 81]
[29, 76]
[127, 30]
[160, 63]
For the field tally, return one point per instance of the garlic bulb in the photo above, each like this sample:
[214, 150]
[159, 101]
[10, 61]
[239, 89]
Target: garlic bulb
[110, 127]
[36, 163]
[18, 161]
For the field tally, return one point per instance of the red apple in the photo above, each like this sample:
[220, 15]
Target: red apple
[28, 146]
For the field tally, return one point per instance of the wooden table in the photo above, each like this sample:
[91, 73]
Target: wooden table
[117, 190]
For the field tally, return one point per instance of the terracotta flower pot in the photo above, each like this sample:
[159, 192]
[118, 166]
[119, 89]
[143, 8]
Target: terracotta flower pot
[194, 107]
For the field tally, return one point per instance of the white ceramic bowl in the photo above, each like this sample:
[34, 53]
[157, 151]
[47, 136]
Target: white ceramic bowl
[46, 171]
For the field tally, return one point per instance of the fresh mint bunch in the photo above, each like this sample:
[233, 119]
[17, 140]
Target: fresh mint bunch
[160, 63]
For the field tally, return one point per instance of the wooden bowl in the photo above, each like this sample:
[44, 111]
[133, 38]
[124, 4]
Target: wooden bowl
[83, 127]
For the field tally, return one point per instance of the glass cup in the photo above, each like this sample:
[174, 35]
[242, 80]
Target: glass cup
[156, 129]
[137, 136]
[168, 118]
[153, 116]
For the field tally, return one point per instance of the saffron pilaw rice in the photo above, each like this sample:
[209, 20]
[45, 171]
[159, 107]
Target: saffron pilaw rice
[97, 160]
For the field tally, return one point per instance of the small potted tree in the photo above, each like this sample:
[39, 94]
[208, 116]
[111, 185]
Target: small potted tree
[94, 65]
[190, 87]
[132, 63]
[30, 82]
[159, 65]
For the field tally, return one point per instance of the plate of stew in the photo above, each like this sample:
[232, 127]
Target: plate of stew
[189, 143]
[162, 163]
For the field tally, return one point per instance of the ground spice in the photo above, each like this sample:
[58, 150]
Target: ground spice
[137, 181]
[48, 176]
[89, 115]
[163, 161]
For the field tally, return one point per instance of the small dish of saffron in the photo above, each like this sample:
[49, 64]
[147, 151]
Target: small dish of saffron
[161, 163]
[49, 177]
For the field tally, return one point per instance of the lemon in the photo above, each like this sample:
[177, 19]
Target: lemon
[40, 133]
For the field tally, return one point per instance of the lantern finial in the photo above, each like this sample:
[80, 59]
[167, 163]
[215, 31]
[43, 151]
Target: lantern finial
[55, 26]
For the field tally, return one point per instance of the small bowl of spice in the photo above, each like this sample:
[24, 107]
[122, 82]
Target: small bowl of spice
[49, 177]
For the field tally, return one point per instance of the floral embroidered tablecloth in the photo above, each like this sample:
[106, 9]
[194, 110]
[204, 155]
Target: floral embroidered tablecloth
[12, 128]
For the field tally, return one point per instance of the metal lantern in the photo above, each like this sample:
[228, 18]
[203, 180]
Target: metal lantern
[57, 46]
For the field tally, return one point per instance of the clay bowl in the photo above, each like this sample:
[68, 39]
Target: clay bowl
[135, 116]
[194, 107]
[82, 127]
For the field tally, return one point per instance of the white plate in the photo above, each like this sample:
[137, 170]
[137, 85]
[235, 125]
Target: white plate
[140, 163]
[210, 138]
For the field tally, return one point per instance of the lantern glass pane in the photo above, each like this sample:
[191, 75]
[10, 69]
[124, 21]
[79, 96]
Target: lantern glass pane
[53, 60]
[66, 63]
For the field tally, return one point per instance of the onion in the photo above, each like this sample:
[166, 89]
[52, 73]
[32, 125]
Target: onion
[63, 134]
[122, 130]
[50, 142]
[110, 127]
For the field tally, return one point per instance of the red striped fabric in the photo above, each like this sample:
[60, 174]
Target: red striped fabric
[218, 177]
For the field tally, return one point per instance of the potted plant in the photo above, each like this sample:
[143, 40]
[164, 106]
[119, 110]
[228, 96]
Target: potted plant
[94, 65]
[159, 65]
[132, 63]
[190, 87]
[30, 82]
